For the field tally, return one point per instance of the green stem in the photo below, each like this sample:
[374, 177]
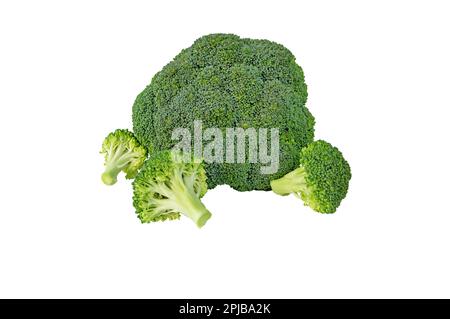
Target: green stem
[193, 208]
[292, 182]
[109, 176]
[115, 165]
[189, 203]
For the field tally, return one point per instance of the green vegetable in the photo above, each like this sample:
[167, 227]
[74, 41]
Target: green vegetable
[321, 180]
[170, 184]
[123, 153]
[226, 81]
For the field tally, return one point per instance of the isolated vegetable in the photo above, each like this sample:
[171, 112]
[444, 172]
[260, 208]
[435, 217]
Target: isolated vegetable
[169, 184]
[123, 153]
[226, 81]
[321, 180]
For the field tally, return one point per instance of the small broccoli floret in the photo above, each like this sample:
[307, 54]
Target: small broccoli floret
[168, 185]
[321, 180]
[122, 152]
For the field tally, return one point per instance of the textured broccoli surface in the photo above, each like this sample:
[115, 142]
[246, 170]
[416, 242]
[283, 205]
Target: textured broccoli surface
[123, 153]
[226, 81]
[170, 184]
[321, 180]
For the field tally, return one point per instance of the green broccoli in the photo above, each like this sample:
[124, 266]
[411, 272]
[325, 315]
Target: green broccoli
[226, 81]
[171, 183]
[321, 180]
[122, 152]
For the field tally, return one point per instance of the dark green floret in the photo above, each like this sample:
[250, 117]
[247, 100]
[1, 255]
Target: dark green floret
[123, 153]
[227, 82]
[170, 184]
[321, 180]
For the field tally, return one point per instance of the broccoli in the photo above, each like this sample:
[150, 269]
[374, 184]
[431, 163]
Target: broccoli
[226, 81]
[168, 184]
[321, 180]
[122, 152]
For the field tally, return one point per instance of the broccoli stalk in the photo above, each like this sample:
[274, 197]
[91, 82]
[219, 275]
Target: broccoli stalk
[122, 152]
[321, 180]
[169, 185]
[292, 182]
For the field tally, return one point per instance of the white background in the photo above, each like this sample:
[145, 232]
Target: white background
[377, 74]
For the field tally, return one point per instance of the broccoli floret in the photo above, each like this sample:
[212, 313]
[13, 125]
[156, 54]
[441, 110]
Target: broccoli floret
[171, 183]
[226, 81]
[122, 152]
[321, 180]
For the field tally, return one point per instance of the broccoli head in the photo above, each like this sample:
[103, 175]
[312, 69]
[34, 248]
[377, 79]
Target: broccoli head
[122, 152]
[321, 180]
[228, 82]
[169, 184]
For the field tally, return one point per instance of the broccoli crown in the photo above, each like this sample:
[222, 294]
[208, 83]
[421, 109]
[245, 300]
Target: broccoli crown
[228, 82]
[321, 180]
[169, 184]
[122, 152]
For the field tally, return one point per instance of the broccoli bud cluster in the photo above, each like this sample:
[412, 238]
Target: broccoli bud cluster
[226, 81]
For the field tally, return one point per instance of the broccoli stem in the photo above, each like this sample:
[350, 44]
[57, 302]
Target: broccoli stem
[109, 176]
[189, 202]
[292, 182]
[116, 163]
[192, 207]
